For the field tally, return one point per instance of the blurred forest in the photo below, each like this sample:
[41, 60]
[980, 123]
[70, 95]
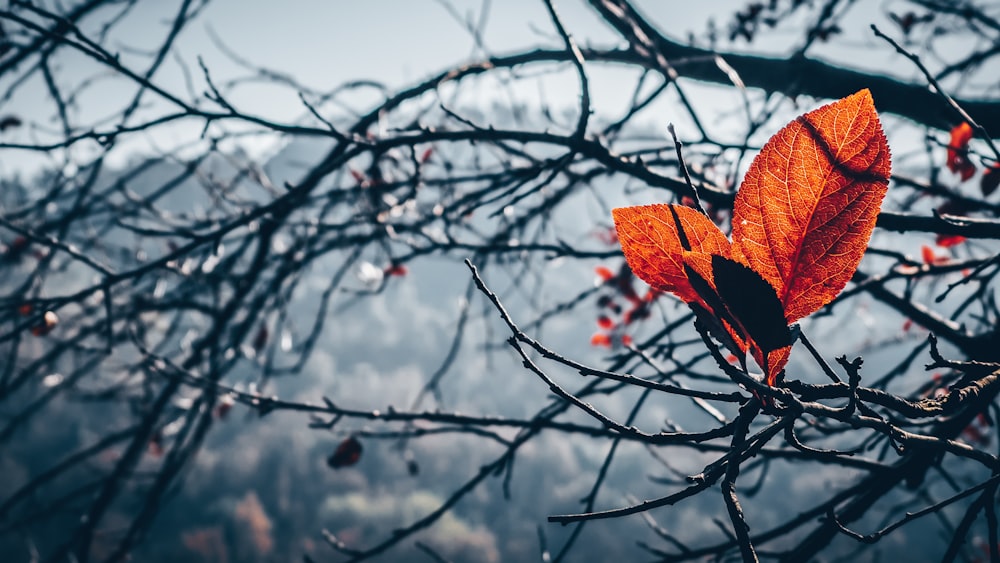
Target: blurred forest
[338, 281]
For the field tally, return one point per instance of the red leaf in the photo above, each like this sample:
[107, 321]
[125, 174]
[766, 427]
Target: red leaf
[928, 256]
[347, 453]
[927, 253]
[652, 244]
[600, 339]
[604, 273]
[961, 134]
[428, 153]
[395, 270]
[958, 148]
[808, 204]
[990, 180]
[965, 168]
[946, 241]
[801, 224]
[604, 322]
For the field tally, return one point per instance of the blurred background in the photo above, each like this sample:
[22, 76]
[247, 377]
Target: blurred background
[238, 325]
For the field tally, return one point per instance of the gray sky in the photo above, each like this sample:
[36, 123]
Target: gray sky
[323, 44]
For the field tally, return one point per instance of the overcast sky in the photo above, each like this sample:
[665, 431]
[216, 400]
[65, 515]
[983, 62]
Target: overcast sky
[323, 44]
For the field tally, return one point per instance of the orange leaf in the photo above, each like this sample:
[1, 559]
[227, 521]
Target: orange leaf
[927, 254]
[809, 201]
[600, 339]
[776, 360]
[604, 273]
[653, 247]
[958, 146]
[801, 224]
[946, 241]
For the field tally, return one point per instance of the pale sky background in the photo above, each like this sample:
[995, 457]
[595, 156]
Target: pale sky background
[323, 44]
